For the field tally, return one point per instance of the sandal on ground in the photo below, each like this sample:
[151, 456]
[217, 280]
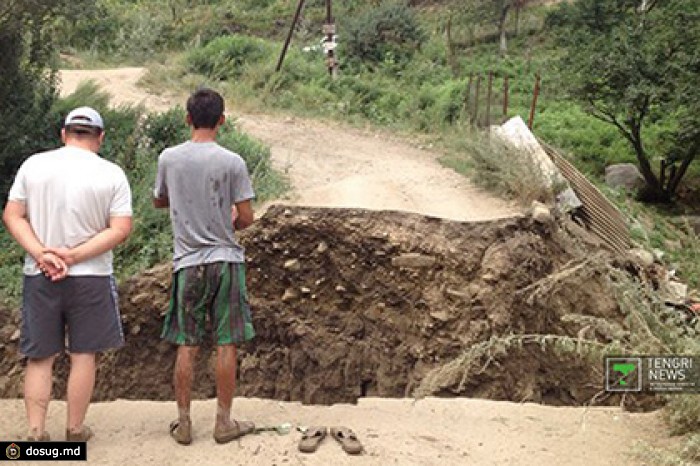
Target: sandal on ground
[181, 432]
[347, 439]
[311, 439]
[33, 437]
[83, 435]
[238, 429]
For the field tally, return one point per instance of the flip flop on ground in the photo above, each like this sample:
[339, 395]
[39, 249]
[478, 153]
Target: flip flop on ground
[238, 429]
[311, 439]
[347, 439]
[181, 432]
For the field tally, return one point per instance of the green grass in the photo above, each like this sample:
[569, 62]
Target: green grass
[655, 228]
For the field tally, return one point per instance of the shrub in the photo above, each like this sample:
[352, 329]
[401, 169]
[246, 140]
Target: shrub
[499, 167]
[389, 33]
[165, 129]
[226, 57]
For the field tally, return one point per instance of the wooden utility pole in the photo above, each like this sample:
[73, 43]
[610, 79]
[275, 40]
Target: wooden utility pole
[329, 45]
[300, 6]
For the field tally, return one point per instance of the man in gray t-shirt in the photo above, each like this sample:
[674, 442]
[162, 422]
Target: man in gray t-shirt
[208, 191]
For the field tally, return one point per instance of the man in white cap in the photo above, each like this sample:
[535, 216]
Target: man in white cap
[68, 208]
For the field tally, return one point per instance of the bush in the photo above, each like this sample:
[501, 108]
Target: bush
[683, 413]
[389, 33]
[27, 83]
[484, 159]
[165, 129]
[226, 57]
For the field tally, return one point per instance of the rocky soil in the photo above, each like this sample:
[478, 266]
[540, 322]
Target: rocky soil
[350, 303]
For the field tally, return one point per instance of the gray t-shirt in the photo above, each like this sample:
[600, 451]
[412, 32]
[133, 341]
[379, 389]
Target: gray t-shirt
[202, 180]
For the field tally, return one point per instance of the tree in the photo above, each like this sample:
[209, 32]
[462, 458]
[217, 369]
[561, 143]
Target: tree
[502, 8]
[27, 81]
[389, 32]
[634, 64]
[494, 12]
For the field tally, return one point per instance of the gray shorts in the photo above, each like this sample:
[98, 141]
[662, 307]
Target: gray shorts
[84, 307]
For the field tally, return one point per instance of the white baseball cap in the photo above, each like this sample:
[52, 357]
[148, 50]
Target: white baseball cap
[84, 116]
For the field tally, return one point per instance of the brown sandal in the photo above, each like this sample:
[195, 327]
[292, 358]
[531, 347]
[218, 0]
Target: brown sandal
[238, 429]
[181, 432]
[311, 439]
[347, 439]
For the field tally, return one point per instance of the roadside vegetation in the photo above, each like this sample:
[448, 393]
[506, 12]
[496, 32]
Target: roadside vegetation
[619, 83]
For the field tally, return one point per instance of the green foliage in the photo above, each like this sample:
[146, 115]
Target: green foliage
[165, 129]
[683, 414]
[27, 82]
[227, 57]
[631, 66]
[389, 33]
[595, 143]
[95, 28]
[654, 228]
[12, 260]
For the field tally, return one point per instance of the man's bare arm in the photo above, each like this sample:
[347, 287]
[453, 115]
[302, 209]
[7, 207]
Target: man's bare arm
[106, 240]
[15, 218]
[16, 222]
[244, 215]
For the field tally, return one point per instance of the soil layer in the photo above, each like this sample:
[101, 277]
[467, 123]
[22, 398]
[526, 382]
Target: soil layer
[350, 303]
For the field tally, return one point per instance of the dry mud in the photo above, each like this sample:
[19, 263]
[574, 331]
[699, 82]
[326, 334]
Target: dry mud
[350, 303]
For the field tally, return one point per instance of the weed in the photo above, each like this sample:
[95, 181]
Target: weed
[499, 167]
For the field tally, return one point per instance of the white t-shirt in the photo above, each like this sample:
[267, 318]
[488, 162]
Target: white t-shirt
[70, 193]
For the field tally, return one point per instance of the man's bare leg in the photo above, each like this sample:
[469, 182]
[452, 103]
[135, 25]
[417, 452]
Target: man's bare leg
[81, 382]
[37, 393]
[182, 379]
[225, 384]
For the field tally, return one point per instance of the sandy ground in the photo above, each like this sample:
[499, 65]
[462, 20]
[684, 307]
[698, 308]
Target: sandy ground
[431, 431]
[336, 166]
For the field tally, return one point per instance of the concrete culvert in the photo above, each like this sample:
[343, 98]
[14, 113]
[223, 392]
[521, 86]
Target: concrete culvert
[352, 303]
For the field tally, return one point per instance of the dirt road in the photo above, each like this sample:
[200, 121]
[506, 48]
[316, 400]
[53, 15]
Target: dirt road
[430, 432]
[335, 166]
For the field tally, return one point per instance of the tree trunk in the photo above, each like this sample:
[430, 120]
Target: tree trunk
[502, 29]
[451, 60]
[653, 191]
[674, 181]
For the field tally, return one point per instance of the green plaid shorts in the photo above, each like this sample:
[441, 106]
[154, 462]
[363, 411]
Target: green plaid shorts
[211, 292]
